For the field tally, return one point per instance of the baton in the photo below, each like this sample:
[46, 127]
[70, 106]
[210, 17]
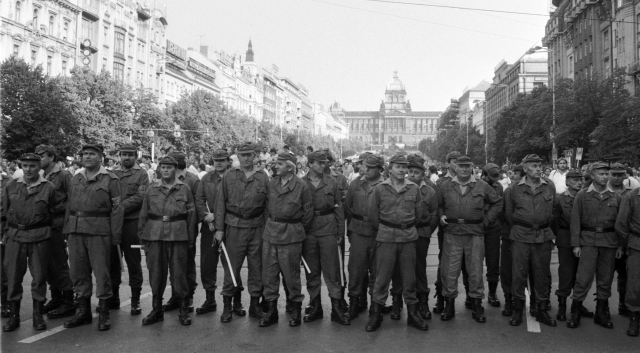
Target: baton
[340, 263]
[305, 264]
[224, 249]
[137, 246]
[120, 258]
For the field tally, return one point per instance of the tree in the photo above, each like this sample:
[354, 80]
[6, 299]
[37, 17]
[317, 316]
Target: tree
[455, 139]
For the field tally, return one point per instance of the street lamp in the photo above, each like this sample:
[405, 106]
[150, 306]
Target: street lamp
[553, 100]
[486, 132]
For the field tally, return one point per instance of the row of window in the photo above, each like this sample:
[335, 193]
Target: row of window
[36, 21]
[34, 59]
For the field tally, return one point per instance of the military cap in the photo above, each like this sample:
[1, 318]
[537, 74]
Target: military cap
[128, 147]
[531, 158]
[372, 160]
[398, 159]
[416, 161]
[94, 146]
[463, 160]
[618, 168]
[453, 155]
[364, 156]
[284, 156]
[574, 174]
[317, 156]
[327, 152]
[489, 168]
[40, 149]
[518, 168]
[168, 160]
[246, 147]
[599, 165]
[178, 156]
[30, 157]
[285, 146]
[219, 155]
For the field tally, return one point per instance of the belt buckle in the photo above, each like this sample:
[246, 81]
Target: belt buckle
[403, 226]
[536, 227]
[21, 227]
[79, 214]
[166, 218]
[461, 221]
[599, 229]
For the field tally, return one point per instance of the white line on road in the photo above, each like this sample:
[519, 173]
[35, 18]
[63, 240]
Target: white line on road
[61, 328]
[532, 324]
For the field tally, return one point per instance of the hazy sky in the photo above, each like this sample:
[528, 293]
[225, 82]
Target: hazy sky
[347, 50]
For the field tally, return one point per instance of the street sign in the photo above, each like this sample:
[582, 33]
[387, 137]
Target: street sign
[492, 159]
[150, 133]
[176, 134]
[568, 153]
[554, 154]
[579, 151]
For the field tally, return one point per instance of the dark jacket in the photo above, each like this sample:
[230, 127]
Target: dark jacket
[429, 219]
[293, 201]
[326, 196]
[28, 206]
[562, 206]
[134, 183]
[592, 210]
[206, 194]
[532, 208]
[628, 220]
[61, 179]
[175, 202]
[242, 196]
[402, 207]
[356, 206]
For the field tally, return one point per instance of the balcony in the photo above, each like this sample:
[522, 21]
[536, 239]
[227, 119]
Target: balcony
[90, 9]
[633, 68]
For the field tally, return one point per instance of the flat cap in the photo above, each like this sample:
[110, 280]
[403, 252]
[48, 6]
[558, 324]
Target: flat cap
[599, 165]
[285, 156]
[416, 161]
[30, 157]
[128, 147]
[618, 168]
[463, 160]
[40, 149]
[574, 174]
[94, 146]
[518, 168]
[168, 160]
[285, 146]
[317, 156]
[328, 153]
[492, 169]
[246, 148]
[372, 160]
[178, 156]
[453, 155]
[219, 155]
[398, 159]
[531, 158]
[364, 156]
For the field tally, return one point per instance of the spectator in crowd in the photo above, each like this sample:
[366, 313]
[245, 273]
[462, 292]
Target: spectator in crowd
[631, 180]
[301, 159]
[235, 162]
[348, 169]
[433, 173]
[202, 170]
[547, 172]
[287, 149]
[309, 149]
[559, 176]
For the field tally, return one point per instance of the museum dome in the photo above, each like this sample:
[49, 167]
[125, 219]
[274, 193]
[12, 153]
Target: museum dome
[395, 84]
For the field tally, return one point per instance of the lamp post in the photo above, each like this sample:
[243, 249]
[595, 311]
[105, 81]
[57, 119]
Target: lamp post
[486, 132]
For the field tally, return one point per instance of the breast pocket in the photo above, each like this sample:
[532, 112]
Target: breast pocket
[132, 189]
[260, 196]
[291, 207]
[408, 204]
[477, 200]
[181, 204]
[102, 197]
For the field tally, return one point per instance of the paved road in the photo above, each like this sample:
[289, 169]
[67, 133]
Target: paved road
[207, 333]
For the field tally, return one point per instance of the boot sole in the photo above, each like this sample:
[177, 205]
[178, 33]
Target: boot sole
[335, 319]
[136, 312]
[85, 322]
[265, 325]
[104, 328]
[411, 324]
[371, 329]
[201, 311]
[512, 323]
[59, 316]
[151, 323]
[12, 329]
[551, 324]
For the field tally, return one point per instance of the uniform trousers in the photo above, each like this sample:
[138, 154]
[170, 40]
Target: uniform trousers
[57, 271]
[283, 258]
[422, 250]
[243, 243]
[506, 268]
[362, 264]
[491, 259]
[167, 258]
[621, 270]
[567, 268]
[3, 275]
[209, 257]
[90, 253]
[598, 261]
[18, 257]
[321, 255]
[457, 247]
[388, 257]
[192, 276]
[531, 260]
[132, 256]
[632, 300]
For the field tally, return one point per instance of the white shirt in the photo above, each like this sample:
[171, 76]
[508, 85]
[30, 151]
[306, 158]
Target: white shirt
[19, 173]
[505, 182]
[559, 180]
[235, 162]
[434, 177]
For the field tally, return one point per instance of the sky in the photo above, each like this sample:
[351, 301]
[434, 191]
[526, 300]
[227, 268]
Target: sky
[347, 50]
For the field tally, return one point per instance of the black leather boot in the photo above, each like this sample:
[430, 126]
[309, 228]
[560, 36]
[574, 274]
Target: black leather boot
[56, 301]
[135, 301]
[288, 306]
[114, 301]
[576, 313]
[439, 306]
[423, 306]
[468, 303]
[104, 322]
[156, 313]
[316, 311]
[518, 307]
[5, 310]
[396, 307]
[508, 305]
[414, 319]
[354, 307]
[634, 323]
[375, 317]
[254, 308]
[238, 309]
[190, 307]
[622, 308]
[82, 316]
[337, 314]
[271, 316]
[543, 316]
[14, 318]
[449, 311]
[533, 306]
[603, 318]
[492, 298]
[478, 311]
[183, 313]
[38, 320]
[296, 314]
[264, 304]
[172, 304]
[584, 312]
[562, 309]
[67, 308]
[227, 309]
[209, 304]
[362, 303]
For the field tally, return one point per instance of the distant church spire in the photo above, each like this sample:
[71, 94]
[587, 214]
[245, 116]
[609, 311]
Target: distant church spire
[249, 56]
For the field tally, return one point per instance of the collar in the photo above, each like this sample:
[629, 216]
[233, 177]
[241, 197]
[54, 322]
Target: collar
[405, 182]
[183, 174]
[160, 184]
[56, 169]
[40, 180]
[627, 187]
[524, 181]
[472, 179]
[364, 179]
[448, 175]
[102, 170]
[119, 167]
[567, 193]
[607, 188]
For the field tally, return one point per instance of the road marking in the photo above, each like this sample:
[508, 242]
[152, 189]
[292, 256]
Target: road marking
[61, 328]
[532, 324]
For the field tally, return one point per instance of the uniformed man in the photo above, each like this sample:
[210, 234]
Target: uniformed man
[362, 240]
[628, 229]
[290, 214]
[394, 208]
[167, 222]
[240, 216]
[5, 310]
[60, 284]
[29, 202]
[595, 242]
[462, 202]
[425, 225]
[320, 248]
[192, 181]
[492, 233]
[134, 182]
[451, 172]
[206, 207]
[529, 212]
[93, 222]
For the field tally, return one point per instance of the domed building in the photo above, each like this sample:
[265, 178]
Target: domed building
[394, 123]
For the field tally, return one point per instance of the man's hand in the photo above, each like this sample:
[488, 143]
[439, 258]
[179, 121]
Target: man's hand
[192, 245]
[209, 218]
[217, 239]
[619, 252]
[339, 240]
[115, 202]
[115, 241]
[443, 221]
[576, 251]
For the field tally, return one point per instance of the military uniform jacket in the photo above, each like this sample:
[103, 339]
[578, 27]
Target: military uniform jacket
[94, 196]
[495, 226]
[594, 210]
[134, 183]
[534, 208]
[206, 194]
[3, 214]
[326, 197]
[343, 183]
[293, 201]
[188, 178]
[247, 197]
[402, 207]
[469, 206]
[168, 214]
[628, 220]
[562, 206]
[28, 206]
[61, 179]
[429, 219]
[356, 206]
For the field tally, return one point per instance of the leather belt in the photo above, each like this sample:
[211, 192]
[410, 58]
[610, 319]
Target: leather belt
[287, 220]
[564, 228]
[423, 225]
[531, 226]
[598, 229]
[29, 226]
[90, 214]
[323, 213]
[397, 226]
[3, 219]
[180, 217]
[257, 213]
[464, 221]
[359, 217]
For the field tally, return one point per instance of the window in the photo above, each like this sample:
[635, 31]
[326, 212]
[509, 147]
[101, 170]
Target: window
[104, 63]
[118, 70]
[51, 24]
[106, 35]
[16, 50]
[18, 11]
[35, 18]
[605, 39]
[64, 67]
[590, 44]
[87, 30]
[130, 47]
[34, 56]
[129, 75]
[119, 43]
[65, 30]
[49, 60]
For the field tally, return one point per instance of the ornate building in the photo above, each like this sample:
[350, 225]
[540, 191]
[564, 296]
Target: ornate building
[393, 123]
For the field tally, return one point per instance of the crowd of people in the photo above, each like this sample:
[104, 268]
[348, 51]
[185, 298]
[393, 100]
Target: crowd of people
[68, 221]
